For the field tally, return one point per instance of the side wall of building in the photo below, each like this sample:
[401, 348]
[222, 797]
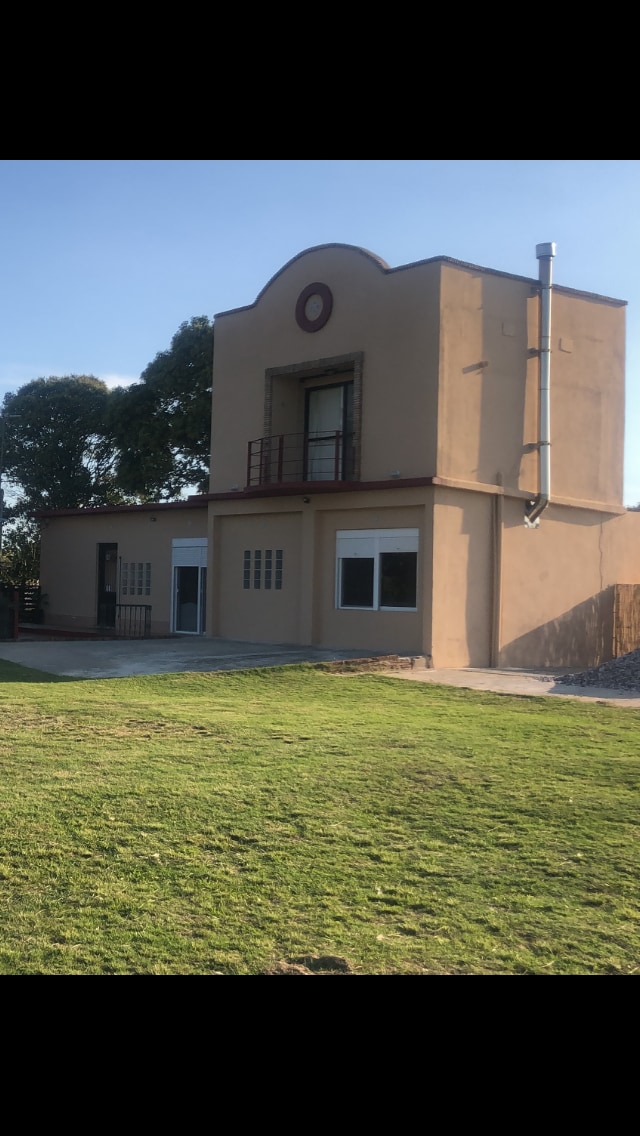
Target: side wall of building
[70, 559]
[301, 534]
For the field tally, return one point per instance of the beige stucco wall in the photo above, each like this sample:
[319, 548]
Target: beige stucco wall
[544, 596]
[390, 317]
[588, 399]
[69, 559]
[473, 332]
[393, 631]
[463, 575]
[258, 615]
[623, 549]
[305, 529]
[557, 583]
[489, 387]
[511, 596]
[490, 590]
[488, 381]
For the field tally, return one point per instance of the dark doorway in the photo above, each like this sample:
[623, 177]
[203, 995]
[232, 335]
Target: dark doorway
[190, 588]
[107, 584]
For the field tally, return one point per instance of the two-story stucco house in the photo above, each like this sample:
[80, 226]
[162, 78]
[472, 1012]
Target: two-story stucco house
[425, 460]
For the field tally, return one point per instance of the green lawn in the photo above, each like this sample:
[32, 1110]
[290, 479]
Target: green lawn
[195, 824]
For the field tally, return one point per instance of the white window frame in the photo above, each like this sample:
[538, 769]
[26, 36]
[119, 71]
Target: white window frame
[188, 553]
[369, 544]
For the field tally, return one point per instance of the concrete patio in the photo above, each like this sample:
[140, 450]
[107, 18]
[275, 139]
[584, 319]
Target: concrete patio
[97, 659]
[119, 658]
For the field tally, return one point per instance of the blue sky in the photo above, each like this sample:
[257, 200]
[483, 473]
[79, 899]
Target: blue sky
[103, 259]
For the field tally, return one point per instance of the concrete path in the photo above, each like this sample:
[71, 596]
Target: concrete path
[115, 659]
[119, 659]
[538, 684]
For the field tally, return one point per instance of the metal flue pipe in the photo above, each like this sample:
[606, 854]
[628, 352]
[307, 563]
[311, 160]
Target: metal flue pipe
[546, 254]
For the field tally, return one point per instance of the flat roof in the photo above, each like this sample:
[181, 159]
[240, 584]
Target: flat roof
[195, 502]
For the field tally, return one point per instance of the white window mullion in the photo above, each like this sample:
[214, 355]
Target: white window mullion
[376, 581]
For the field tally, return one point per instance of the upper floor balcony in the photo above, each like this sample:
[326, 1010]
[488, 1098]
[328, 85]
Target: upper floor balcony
[286, 459]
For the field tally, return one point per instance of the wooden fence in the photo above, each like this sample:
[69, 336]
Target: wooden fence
[626, 619]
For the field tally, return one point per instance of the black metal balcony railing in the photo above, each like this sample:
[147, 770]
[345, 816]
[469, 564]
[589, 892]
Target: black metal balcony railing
[286, 458]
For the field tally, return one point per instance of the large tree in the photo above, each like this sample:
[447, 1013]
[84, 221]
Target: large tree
[58, 451]
[162, 425]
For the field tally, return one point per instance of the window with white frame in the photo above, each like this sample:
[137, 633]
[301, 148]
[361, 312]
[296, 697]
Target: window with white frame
[377, 569]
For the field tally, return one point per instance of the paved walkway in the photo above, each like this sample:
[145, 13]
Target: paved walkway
[538, 684]
[119, 659]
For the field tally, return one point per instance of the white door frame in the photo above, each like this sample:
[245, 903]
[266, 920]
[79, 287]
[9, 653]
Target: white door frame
[190, 552]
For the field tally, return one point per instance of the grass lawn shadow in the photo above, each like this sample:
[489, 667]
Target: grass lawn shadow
[13, 672]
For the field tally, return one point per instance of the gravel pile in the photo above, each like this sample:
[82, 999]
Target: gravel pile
[619, 674]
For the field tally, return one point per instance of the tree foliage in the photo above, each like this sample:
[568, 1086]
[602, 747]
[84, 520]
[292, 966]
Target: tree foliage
[20, 559]
[72, 443]
[162, 425]
[58, 450]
